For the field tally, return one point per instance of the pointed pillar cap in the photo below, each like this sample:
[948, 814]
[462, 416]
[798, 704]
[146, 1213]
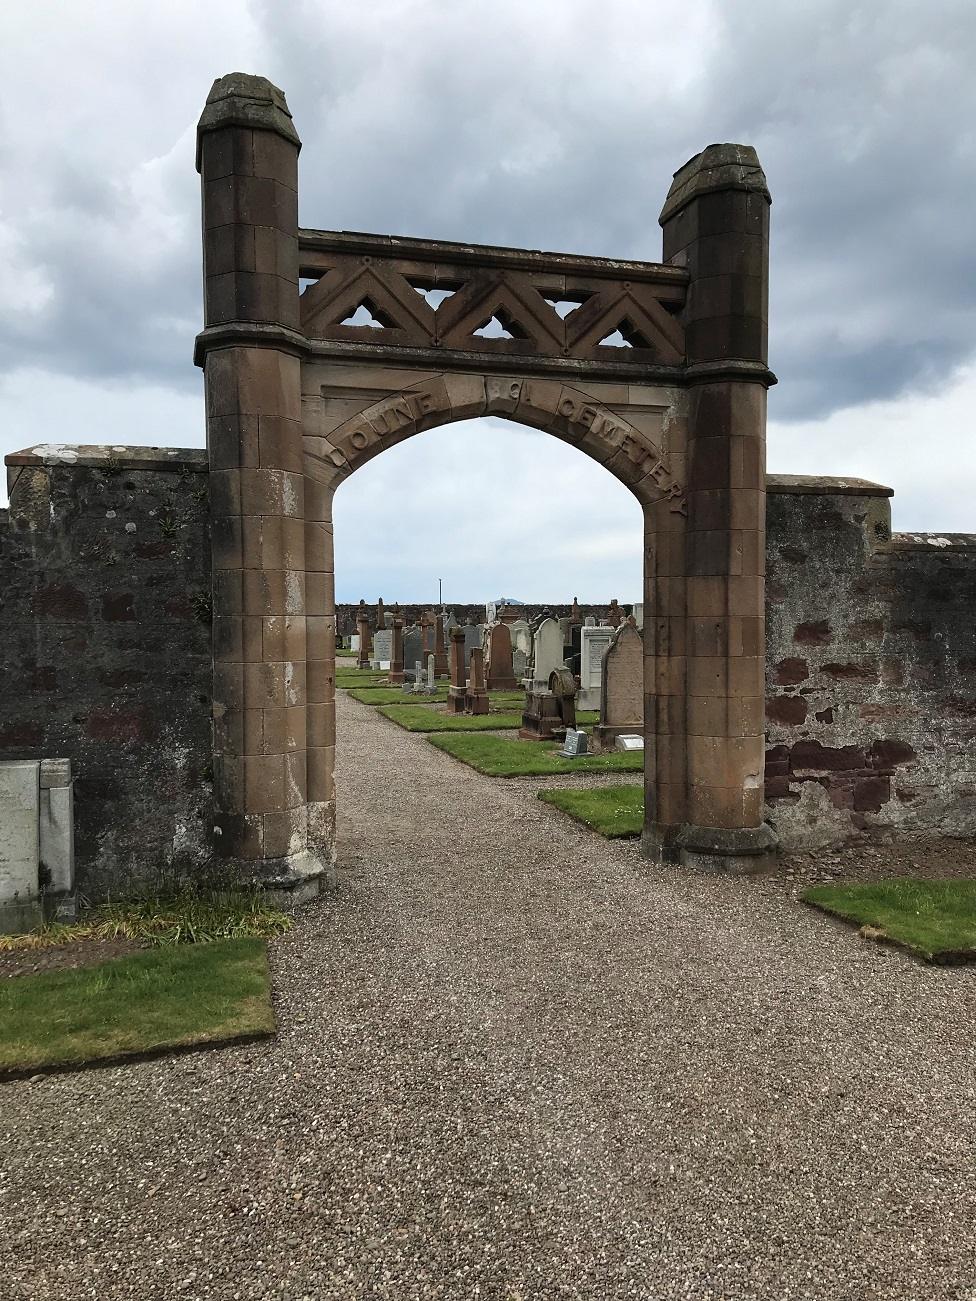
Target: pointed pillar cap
[238, 99]
[719, 167]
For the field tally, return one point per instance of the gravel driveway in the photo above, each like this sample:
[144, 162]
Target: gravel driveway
[516, 1062]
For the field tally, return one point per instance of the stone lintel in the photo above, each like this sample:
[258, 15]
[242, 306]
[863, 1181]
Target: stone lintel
[716, 168]
[239, 99]
[441, 251]
[248, 334]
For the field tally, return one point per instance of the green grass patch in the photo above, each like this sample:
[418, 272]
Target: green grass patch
[502, 756]
[430, 720]
[935, 919]
[614, 811]
[170, 997]
[358, 677]
[394, 696]
[346, 654]
[188, 918]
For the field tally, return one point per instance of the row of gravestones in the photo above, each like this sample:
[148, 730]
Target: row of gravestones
[609, 682]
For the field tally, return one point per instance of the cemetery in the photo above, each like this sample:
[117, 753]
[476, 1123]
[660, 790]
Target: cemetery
[477, 887]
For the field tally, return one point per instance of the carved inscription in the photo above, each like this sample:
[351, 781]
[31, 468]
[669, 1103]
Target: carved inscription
[593, 424]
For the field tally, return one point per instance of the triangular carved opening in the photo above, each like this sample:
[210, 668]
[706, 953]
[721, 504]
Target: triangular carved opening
[626, 335]
[368, 315]
[563, 307]
[433, 294]
[500, 325]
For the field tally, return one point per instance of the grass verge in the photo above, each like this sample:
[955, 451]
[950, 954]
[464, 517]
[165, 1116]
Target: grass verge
[613, 811]
[934, 919]
[172, 997]
[429, 720]
[394, 696]
[183, 919]
[502, 756]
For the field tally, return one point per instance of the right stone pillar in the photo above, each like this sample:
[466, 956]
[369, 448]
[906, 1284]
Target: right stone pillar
[716, 225]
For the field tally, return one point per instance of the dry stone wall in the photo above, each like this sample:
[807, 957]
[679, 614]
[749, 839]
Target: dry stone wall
[105, 659]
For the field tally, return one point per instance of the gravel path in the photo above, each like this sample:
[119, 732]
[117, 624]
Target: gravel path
[516, 1062]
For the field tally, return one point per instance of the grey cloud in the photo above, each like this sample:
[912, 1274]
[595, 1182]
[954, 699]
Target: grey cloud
[554, 125]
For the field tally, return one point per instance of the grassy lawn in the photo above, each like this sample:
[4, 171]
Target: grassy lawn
[935, 919]
[502, 756]
[358, 677]
[612, 810]
[168, 997]
[430, 720]
[394, 696]
[346, 654]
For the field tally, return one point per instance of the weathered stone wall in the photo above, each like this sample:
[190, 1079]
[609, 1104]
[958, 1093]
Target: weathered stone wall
[105, 653]
[870, 668]
[105, 659]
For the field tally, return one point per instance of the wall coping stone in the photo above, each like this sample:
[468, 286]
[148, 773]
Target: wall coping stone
[813, 484]
[100, 455]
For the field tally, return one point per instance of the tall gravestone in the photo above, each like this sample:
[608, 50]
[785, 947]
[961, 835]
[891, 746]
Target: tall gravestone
[476, 697]
[547, 650]
[457, 691]
[396, 661]
[499, 671]
[593, 645]
[622, 690]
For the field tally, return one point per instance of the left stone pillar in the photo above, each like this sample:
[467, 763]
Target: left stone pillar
[250, 349]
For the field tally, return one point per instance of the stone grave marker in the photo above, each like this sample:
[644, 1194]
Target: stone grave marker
[473, 638]
[499, 673]
[413, 645]
[593, 646]
[574, 745]
[547, 651]
[382, 649]
[628, 744]
[622, 686]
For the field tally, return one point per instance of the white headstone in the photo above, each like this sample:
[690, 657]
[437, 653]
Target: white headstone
[20, 801]
[354, 642]
[382, 648]
[547, 651]
[639, 614]
[593, 647]
[627, 743]
[521, 636]
[589, 621]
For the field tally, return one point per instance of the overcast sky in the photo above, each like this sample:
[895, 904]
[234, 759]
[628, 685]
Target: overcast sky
[555, 124]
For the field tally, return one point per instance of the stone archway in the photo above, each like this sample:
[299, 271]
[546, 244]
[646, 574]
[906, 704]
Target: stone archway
[300, 394]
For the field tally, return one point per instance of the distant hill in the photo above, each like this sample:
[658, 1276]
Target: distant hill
[508, 600]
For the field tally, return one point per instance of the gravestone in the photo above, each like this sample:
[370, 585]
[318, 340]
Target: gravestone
[491, 612]
[521, 634]
[354, 642]
[547, 650]
[457, 691]
[573, 651]
[589, 621]
[629, 744]
[575, 613]
[382, 649]
[380, 614]
[499, 673]
[593, 645]
[396, 659]
[413, 646]
[574, 746]
[550, 707]
[615, 615]
[473, 637]
[365, 638]
[440, 648]
[431, 684]
[520, 665]
[638, 614]
[36, 842]
[476, 698]
[622, 686]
